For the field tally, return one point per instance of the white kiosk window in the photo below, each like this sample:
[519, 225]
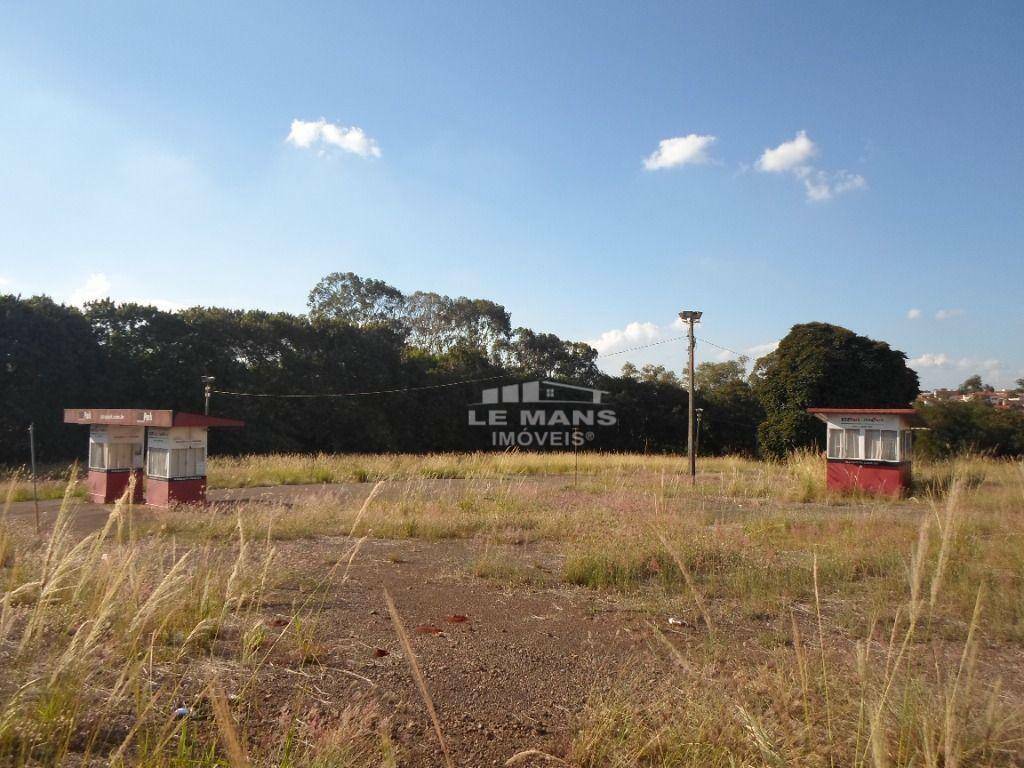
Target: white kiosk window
[178, 452]
[115, 448]
[188, 462]
[873, 444]
[835, 443]
[889, 437]
[156, 462]
[851, 443]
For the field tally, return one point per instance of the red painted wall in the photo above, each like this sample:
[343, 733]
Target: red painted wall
[167, 493]
[885, 479]
[107, 487]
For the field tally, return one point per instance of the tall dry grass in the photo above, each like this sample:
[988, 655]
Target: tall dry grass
[102, 637]
[830, 630]
[896, 696]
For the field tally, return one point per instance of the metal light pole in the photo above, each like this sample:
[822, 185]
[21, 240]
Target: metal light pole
[691, 316]
[207, 391]
[32, 454]
[696, 441]
[576, 451]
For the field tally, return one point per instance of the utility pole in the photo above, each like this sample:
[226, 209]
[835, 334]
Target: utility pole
[691, 316]
[207, 391]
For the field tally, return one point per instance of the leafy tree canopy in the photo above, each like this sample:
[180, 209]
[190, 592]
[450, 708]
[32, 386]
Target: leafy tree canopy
[818, 364]
[711, 377]
[433, 322]
[974, 384]
[659, 374]
[353, 299]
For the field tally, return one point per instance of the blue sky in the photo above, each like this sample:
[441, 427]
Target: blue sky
[593, 167]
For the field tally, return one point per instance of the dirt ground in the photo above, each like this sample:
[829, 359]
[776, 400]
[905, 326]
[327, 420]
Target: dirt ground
[511, 676]
[508, 668]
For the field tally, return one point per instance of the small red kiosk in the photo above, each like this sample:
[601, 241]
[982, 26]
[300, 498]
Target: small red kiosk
[165, 450]
[869, 449]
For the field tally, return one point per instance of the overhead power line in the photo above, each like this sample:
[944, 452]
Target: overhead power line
[724, 349]
[641, 346]
[307, 395]
[669, 339]
[426, 387]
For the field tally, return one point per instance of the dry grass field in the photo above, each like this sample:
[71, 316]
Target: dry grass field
[499, 609]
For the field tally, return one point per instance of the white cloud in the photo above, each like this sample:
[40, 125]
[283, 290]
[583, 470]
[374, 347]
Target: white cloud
[632, 334]
[165, 305]
[844, 181]
[305, 134]
[946, 314]
[789, 155]
[822, 185]
[681, 150]
[794, 156]
[990, 366]
[760, 350]
[913, 314]
[4, 281]
[96, 286]
[931, 360]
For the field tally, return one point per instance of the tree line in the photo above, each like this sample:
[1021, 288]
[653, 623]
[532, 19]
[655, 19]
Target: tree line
[364, 335]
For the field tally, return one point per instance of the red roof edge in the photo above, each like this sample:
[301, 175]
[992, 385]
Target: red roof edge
[911, 414]
[184, 419]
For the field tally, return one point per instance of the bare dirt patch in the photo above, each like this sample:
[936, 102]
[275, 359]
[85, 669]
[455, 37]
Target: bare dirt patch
[511, 676]
[629, 620]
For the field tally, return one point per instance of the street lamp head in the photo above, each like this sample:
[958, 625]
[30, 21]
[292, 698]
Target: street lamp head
[690, 315]
[699, 412]
[208, 379]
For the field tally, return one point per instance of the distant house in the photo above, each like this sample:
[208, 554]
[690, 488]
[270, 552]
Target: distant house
[938, 396]
[1003, 399]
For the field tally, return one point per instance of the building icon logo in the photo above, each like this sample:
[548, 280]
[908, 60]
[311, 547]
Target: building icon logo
[541, 414]
[541, 392]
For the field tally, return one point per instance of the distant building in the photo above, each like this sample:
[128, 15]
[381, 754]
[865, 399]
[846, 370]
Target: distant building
[938, 396]
[1004, 399]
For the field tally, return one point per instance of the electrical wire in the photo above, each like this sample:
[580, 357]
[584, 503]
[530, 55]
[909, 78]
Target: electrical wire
[306, 395]
[426, 387]
[641, 346]
[724, 349]
[666, 341]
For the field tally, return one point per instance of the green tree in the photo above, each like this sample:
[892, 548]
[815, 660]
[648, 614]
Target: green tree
[546, 356]
[353, 299]
[971, 384]
[439, 323]
[659, 374]
[956, 427]
[709, 377]
[49, 360]
[651, 416]
[731, 411]
[818, 364]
